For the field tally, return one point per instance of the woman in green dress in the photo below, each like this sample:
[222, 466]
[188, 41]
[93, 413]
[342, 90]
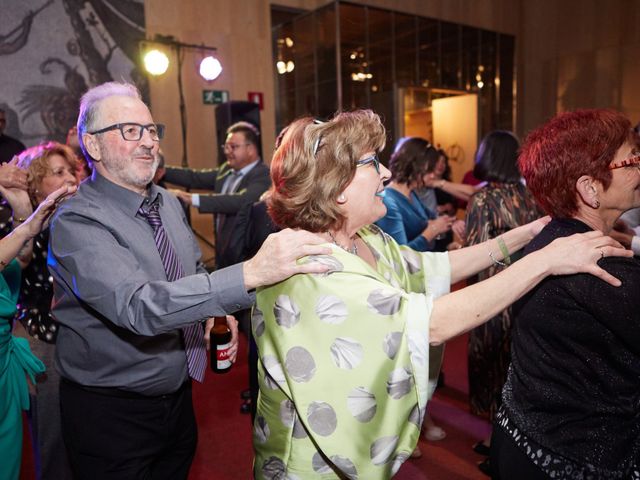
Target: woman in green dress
[16, 359]
[343, 356]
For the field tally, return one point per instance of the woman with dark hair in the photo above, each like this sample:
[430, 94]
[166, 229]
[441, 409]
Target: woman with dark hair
[571, 402]
[344, 356]
[407, 220]
[502, 204]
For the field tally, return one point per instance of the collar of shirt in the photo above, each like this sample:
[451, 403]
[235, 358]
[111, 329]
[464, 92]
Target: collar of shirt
[244, 170]
[128, 200]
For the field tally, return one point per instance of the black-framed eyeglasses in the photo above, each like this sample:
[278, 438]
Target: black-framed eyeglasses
[134, 131]
[366, 161]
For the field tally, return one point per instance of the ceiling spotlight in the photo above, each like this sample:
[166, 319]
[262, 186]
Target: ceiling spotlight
[210, 68]
[290, 66]
[288, 41]
[156, 62]
[282, 67]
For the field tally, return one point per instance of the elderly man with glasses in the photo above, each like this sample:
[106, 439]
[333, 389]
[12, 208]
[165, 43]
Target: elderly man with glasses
[131, 296]
[237, 182]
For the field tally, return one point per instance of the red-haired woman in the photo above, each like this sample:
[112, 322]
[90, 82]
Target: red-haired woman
[571, 403]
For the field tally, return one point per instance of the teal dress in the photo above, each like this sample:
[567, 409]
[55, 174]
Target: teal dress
[16, 360]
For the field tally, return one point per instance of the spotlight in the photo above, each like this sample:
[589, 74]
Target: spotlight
[156, 62]
[282, 67]
[210, 68]
[290, 66]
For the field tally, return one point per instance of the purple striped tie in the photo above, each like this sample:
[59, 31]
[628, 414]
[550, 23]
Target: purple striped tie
[193, 340]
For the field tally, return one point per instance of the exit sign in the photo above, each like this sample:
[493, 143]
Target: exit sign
[214, 97]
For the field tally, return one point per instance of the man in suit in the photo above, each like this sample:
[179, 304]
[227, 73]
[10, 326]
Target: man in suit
[237, 182]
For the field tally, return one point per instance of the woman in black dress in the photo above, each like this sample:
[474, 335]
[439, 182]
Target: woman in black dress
[571, 403]
[501, 204]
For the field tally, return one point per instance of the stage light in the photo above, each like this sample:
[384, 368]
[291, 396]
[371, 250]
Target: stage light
[210, 68]
[156, 62]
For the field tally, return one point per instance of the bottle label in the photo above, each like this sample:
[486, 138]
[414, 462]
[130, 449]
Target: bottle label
[222, 356]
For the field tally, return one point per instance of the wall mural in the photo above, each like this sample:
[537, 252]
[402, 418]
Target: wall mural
[52, 51]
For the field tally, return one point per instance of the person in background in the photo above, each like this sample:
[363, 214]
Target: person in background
[235, 183]
[502, 204]
[82, 167]
[16, 359]
[9, 146]
[571, 403]
[49, 166]
[344, 356]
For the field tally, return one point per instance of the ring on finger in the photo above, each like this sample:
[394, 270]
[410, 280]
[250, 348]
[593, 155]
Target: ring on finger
[601, 254]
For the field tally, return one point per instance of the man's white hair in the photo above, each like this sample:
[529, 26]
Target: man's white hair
[89, 106]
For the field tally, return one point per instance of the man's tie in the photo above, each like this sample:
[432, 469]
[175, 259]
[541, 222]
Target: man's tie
[229, 186]
[192, 334]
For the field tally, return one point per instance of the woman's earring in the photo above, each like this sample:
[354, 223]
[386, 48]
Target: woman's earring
[596, 204]
[342, 198]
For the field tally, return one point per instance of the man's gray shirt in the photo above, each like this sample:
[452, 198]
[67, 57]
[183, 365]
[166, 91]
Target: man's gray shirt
[119, 317]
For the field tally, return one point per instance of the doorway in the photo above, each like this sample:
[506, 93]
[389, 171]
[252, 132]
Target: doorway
[447, 118]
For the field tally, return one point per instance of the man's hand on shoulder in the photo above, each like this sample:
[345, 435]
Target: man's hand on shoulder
[183, 196]
[276, 259]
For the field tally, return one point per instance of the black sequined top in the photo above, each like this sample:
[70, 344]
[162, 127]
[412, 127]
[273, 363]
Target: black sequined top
[36, 292]
[573, 388]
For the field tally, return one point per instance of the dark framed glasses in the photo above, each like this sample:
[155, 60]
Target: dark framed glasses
[134, 131]
[366, 161]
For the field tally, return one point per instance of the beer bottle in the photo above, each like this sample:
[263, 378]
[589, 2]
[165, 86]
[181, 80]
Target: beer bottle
[220, 345]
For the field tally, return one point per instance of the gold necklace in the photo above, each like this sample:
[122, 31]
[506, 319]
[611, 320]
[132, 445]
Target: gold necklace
[353, 250]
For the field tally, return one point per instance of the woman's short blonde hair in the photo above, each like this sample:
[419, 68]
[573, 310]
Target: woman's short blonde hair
[35, 160]
[314, 162]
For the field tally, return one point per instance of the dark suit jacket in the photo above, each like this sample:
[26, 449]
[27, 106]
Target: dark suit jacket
[251, 187]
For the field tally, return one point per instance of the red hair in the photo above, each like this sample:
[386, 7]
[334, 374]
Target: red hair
[572, 144]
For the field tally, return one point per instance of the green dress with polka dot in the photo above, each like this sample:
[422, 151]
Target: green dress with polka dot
[344, 362]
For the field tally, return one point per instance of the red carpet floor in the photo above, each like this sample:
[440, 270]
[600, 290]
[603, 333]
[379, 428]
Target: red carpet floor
[224, 446]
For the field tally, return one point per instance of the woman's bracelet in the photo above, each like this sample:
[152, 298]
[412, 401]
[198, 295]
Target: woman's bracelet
[18, 220]
[497, 262]
[505, 253]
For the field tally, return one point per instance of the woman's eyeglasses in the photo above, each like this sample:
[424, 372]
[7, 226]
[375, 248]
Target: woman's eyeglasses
[366, 161]
[629, 162]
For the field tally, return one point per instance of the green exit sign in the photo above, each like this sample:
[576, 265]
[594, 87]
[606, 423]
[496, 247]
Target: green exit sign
[214, 97]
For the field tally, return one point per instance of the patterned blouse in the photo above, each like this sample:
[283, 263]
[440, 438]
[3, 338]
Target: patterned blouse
[344, 363]
[36, 292]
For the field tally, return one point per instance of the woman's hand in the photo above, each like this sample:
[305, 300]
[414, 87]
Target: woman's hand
[458, 228]
[431, 180]
[12, 176]
[437, 226]
[18, 200]
[39, 220]
[581, 252]
[536, 226]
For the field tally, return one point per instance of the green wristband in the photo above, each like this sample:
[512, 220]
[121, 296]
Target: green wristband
[504, 250]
